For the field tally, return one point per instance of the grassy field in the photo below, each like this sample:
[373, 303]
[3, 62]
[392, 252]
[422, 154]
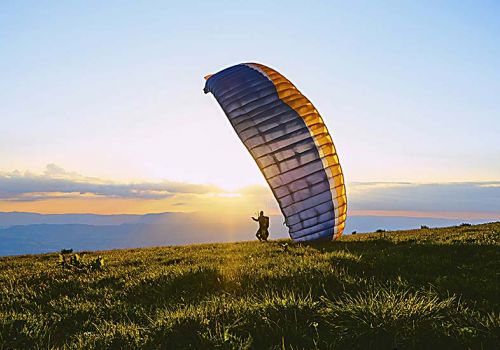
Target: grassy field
[434, 288]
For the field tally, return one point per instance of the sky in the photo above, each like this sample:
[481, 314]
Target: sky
[103, 101]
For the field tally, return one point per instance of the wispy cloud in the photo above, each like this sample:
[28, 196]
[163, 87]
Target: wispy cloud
[57, 183]
[427, 197]
[27, 191]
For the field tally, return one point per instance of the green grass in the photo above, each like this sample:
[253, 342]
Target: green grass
[434, 288]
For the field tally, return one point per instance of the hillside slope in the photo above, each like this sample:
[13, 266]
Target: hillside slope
[402, 289]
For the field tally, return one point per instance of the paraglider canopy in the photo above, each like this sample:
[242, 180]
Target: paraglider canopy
[291, 145]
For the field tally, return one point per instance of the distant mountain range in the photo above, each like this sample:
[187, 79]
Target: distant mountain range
[30, 233]
[8, 219]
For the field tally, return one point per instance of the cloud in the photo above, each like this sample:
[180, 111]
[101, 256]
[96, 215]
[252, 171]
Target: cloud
[465, 196]
[56, 183]
[255, 190]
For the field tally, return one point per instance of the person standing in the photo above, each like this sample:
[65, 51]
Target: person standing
[263, 231]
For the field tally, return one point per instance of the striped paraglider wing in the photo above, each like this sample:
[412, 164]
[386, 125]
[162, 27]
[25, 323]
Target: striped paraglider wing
[290, 143]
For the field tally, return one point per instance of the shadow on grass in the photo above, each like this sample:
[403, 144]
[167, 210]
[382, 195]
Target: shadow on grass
[176, 287]
[468, 270]
[240, 324]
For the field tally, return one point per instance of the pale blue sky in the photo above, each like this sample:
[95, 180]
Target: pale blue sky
[409, 90]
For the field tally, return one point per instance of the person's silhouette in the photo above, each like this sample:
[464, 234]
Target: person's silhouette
[262, 233]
